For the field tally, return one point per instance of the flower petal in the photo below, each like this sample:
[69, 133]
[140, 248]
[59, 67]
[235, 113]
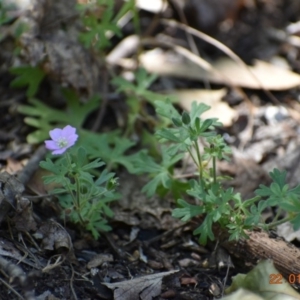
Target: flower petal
[68, 130]
[72, 139]
[59, 151]
[51, 145]
[55, 134]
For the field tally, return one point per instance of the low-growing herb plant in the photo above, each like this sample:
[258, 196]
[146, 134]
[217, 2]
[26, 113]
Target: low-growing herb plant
[101, 22]
[83, 197]
[27, 76]
[110, 146]
[43, 117]
[195, 136]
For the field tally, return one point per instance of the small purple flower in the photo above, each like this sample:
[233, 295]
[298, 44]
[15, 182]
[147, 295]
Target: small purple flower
[62, 139]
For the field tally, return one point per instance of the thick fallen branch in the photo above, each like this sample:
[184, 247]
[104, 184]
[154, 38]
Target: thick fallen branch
[261, 245]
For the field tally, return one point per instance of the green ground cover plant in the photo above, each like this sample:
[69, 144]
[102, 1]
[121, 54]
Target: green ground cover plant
[101, 22]
[83, 198]
[214, 203]
[86, 200]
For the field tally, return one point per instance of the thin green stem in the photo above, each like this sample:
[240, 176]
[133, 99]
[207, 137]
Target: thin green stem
[77, 193]
[199, 161]
[192, 156]
[76, 198]
[69, 160]
[276, 223]
[243, 211]
[67, 185]
[279, 211]
[251, 201]
[214, 170]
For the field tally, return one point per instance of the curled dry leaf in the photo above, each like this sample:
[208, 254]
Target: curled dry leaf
[99, 259]
[8, 249]
[10, 189]
[11, 199]
[125, 48]
[225, 70]
[54, 236]
[144, 288]
[260, 75]
[23, 218]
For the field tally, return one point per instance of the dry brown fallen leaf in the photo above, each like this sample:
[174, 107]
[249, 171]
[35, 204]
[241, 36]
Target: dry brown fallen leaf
[54, 236]
[266, 75]
[10, 192]
[225, 70]
[144, 288]
[219, 109]
[13, 166]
